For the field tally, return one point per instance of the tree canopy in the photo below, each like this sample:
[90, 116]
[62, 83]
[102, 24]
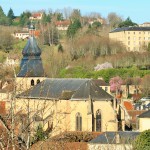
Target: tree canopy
[128, 22]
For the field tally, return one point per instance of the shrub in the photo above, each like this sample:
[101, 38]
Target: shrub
[142, 141]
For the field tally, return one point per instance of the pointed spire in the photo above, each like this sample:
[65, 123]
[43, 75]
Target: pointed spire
[31, 64]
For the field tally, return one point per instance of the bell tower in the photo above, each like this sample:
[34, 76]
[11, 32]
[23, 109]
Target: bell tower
[31, 68]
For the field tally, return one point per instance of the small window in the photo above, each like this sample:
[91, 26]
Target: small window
[139, 38]
[106, 89]
[129, 38]
[139, 32]
[78, 122]
[98, 120]
[32, 82]
[129, 43]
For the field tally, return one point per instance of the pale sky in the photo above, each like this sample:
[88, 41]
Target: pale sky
[137, 10]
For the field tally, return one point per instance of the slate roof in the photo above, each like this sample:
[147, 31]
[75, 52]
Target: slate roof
[145, 114]
[100, 82]
[73, 89]
[110, 137]
[31, 64]
[131, 29]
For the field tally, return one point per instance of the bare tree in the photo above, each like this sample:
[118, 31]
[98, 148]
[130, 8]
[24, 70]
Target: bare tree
[146, 85]
[67, 12]
[113, 20]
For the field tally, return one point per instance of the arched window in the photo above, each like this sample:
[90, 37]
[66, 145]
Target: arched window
[98, 120]
[38, 81]
[78, 122]
[32, 82]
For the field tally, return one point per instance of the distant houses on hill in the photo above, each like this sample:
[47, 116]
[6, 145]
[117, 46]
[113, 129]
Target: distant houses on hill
[36, 16]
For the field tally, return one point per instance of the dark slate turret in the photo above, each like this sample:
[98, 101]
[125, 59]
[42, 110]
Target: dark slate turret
[31, 64]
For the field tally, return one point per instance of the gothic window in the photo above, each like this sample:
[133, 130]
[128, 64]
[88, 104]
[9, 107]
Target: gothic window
[32, 82]
[38, 81]
[78, 122]
[98, 120]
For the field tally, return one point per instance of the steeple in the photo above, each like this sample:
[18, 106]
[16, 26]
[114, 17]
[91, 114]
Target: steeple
[31, 64]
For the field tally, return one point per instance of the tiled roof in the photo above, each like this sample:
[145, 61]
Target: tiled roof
[145, 114]
[128, 105]
[19, 32]
[131, 29]
[134, 114]
[62, 23]
[35, 15]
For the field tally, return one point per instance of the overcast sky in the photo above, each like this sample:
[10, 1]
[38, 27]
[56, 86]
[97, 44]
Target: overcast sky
[137, 10]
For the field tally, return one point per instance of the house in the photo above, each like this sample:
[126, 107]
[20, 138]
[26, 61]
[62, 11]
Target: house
[101, 83]
[62, 25]
[145, 24]
[134, 38]
[144, 121]
[36, 16]
[61, 104]
[26, 32]
[113, 141]
[21, 35]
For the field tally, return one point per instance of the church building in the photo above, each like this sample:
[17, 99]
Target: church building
[60, 104]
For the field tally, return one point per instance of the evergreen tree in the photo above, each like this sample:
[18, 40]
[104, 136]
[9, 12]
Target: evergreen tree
[128, 22]
[2, 13]
[73, 28]
[3, 18]
[39, 135]
[60, 17]
[24, 19]
[10, 16]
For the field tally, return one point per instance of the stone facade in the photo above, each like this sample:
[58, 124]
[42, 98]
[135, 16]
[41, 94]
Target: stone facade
[61, 114]
[134, 38]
